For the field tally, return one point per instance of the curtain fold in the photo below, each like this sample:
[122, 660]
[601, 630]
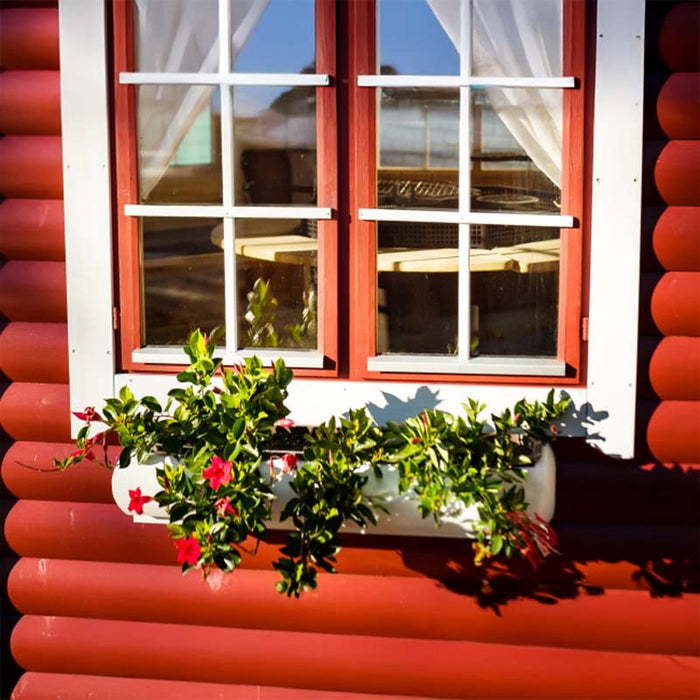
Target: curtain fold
[516, 38]
[180, 36]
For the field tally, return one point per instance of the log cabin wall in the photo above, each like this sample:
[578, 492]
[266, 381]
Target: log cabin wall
[101, 610]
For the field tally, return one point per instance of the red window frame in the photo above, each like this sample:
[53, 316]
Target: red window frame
[346, 154]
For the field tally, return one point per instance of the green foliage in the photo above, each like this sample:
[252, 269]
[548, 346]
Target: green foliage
[218, 487]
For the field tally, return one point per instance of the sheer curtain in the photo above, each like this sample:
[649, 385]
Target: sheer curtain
[516, 38]
[180, 36]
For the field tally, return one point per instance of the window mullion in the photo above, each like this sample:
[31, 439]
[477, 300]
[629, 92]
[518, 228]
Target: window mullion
[227, 176]
[464, 278]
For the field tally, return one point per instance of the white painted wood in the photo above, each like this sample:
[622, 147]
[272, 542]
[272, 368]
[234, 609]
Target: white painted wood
[616, 222]
[277, 79]
[314, 401]
[453, 81]
[435, 364]
[456, 217]
[215, 211]
[86, 201]
[154, 354]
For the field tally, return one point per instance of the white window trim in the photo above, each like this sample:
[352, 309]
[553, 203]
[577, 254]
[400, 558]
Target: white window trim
[615, 237]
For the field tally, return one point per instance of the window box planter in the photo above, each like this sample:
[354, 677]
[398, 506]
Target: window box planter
[403, 517]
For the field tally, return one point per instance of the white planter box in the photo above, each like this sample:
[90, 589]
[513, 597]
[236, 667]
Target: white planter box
[404, 519]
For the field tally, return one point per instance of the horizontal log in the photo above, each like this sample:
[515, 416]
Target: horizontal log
[352, 604]
[28, 472]
[32, 229]
[29, 38]
[33, 291]
[679, 38]
[648, 283]
[675, 304]
[678, 106]
[75, 687]
[31, 167]
[96, 532]
[36, 412]
[672, 433]
[677, 173]
[34, 352]
[30, 102]
[331, 661]
[676, 239]
[674, 369]
[627, 493]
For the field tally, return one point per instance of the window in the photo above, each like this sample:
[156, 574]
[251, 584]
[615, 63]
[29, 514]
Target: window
[612, 177]
[460, 117]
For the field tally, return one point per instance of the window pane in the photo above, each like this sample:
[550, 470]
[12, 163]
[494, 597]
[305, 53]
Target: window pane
[168, 117]
[276, 275]
[275, 145]
[514, 290]
[176, 36]
[516, 150]
[183, 279]
[517, 38]
[418, 148]
[417, 288]
[277, 37]
[412, 40]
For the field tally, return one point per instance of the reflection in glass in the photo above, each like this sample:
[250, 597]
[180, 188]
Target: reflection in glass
[514, 290]
[418, 148]
[275, 145]
[176, 37]
[183, 279]
[169, 117]
[273, 37]
[417, 288]
[509, 178]
[412, 42]
[276, 275]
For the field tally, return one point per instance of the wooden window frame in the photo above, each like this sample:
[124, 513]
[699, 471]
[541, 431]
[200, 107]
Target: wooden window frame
[611, 291]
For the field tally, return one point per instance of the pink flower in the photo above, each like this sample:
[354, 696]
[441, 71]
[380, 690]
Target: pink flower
[289, 463]
[218, 472]
[137, 501]
[223, 507]
[188, 551]
[284, 423]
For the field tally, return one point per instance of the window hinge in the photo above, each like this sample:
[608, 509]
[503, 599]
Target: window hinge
[115, 318]
[584, 329]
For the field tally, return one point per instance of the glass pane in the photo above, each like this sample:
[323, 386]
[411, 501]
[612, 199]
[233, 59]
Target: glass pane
[514, 290]
[273, 37]
[176, 122]
[417, 288]
[275, 145]
[418, 148]
[183, 278]
[517, 38]
[412, 40]
[511, 169]
[276, 274]
[176, 37]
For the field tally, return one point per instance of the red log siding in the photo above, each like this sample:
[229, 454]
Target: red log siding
[106, 613]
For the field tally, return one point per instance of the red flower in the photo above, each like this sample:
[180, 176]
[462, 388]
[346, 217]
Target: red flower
[218, 472]
[554, 430]
[223, 507]
[284, 423]
[137, 500]
[289, 463]
[88, 415]
[188, 551]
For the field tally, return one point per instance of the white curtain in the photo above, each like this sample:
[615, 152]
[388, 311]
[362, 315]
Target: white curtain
[180, 36]
[517, 38]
